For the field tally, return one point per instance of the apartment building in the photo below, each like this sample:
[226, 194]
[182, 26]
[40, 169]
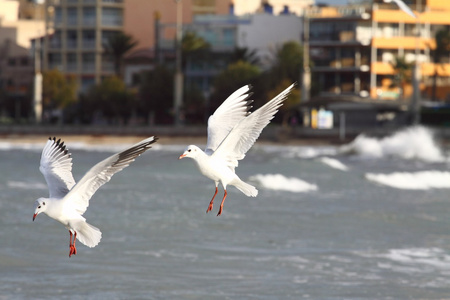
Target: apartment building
[80, 30]
[354, 47]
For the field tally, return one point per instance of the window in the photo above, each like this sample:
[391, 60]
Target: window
[88, 39]
[71, 39]
[112, 16]
[72, 16]
[88, 62]
[89, 16]
[71, 62]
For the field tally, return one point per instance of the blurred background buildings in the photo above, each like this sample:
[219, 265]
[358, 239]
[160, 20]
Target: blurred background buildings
[361, 53]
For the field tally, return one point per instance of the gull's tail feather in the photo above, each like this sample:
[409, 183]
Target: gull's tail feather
[88, 234]
[247, 189]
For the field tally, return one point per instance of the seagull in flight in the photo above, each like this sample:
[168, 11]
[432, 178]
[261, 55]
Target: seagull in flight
[68, 201]
[232, 130]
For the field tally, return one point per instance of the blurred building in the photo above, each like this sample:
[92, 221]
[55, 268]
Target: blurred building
[259, 27]
[20, 21]
[354, 47]
[80, 30]
[276, 7]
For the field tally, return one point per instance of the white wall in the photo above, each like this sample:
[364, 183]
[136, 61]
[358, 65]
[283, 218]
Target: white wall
[266, 33]
[243, 7]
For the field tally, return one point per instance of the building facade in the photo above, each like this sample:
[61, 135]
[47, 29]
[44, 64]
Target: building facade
[79, 30]
[354, 48]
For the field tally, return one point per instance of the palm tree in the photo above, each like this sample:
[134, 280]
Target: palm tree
[402, 70]
[288, 62]
[194, 48]
[442, 49]
[117, 46]
[244, 54]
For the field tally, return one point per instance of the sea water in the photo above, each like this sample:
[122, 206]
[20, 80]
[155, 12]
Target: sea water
[369, 220]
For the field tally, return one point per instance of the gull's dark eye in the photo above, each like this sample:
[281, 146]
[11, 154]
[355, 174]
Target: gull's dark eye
[189, 150]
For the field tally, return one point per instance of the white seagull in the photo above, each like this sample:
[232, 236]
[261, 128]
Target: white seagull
[232, 130]
[68, 201]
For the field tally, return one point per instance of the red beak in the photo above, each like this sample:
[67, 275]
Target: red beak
[181, 156]
[34, 216]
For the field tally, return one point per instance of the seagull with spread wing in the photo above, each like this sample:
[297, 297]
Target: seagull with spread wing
[232, 130]
[68, 201]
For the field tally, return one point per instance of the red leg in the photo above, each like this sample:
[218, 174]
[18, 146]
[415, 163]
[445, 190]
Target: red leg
[73, 244]
[221, 204]
[73, 250]
[70, 244]
[210, 207]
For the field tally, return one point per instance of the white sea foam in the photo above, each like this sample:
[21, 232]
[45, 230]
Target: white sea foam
[422, 180]
[411, 143]
[334, 163]
[435, 257]
[283, 183]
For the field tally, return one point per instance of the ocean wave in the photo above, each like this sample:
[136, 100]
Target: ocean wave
[411, 143]
[82, 146]
[27, 185]
[422, 180]
[282, 183]
[334, 163]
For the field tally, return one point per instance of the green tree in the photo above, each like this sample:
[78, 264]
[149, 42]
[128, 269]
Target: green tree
[233, 77]
[117, 46]
[287, 64]
[442, 50]
[111, 99]
[58, 90]
[289, 108]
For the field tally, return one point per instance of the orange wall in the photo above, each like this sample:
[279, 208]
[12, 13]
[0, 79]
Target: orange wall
[426, 69]
[404, 42]
[439, 4]
[396, 16]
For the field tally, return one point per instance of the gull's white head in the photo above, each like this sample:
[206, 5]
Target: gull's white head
[191, 151]
[39, 206]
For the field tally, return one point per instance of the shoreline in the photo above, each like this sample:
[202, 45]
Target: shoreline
[99, 139]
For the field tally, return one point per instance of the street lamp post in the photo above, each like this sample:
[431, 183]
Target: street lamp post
[306, 74]
[178, 86]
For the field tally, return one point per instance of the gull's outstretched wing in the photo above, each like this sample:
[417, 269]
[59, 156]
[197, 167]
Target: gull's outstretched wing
[245, 133]
[102, 172]
[56, 166]
[226, 116]
[405, 8]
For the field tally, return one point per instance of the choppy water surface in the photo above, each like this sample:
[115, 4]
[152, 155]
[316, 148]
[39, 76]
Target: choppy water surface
[370, 220]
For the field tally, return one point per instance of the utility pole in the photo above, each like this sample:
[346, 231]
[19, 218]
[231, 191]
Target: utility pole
[37, 91]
